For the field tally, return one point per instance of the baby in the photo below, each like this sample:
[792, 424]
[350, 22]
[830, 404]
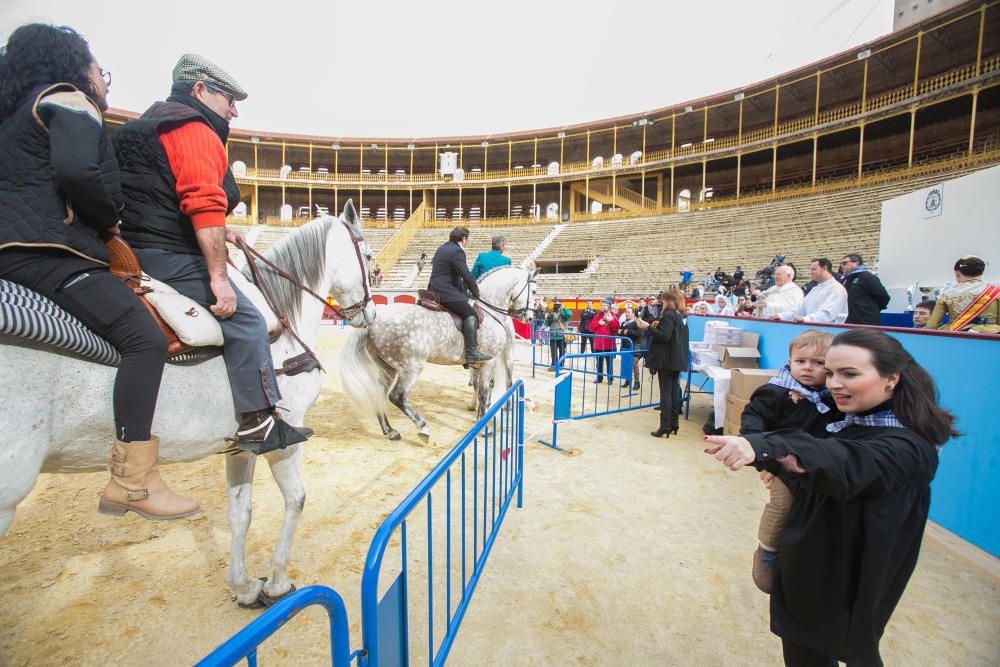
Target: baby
[796, 398]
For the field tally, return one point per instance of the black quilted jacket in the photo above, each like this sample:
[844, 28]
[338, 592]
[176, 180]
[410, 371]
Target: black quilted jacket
[59, 181]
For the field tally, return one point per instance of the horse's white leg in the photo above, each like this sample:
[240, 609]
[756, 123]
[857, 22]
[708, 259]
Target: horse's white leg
[20, 473]
[286, 468]
[484, 386]
[508, 362]
[239, 479]
[407, 378]
[387, 429]
[474, 383]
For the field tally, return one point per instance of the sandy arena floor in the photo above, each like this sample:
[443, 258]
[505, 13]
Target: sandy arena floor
[633, 551]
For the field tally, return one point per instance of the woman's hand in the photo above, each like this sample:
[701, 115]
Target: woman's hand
[732, 451]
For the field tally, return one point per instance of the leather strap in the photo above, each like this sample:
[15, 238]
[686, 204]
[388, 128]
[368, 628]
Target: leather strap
[269, 297]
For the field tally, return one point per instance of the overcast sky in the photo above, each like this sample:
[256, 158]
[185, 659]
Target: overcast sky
[388, 68]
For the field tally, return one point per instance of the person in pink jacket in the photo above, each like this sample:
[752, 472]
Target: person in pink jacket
[605, 323]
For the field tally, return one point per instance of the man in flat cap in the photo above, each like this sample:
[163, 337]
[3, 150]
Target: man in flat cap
[178, 190]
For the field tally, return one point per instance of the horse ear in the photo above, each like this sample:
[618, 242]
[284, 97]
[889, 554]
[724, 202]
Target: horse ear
[350, 214]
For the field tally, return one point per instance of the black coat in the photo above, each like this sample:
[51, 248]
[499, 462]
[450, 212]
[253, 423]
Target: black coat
[866, 298]
[771, 409]
[852, 536]
[59, 182]
[668, 343]
[450, 274]
[586, 315]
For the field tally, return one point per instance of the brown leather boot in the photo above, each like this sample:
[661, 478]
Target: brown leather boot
[136, 485]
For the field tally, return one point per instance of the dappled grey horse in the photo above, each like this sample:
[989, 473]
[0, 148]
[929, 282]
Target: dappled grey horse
[383, 361]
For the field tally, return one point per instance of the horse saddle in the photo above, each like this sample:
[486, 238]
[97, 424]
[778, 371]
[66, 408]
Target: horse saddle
[185, 323]
[431, 301]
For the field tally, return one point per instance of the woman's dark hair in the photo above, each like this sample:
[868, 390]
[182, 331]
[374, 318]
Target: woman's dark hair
[970, 266]
[37, 54]
[914, 399]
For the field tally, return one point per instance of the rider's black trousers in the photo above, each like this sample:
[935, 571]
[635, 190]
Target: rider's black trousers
[111, 310]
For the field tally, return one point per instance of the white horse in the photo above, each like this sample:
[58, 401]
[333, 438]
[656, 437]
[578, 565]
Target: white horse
[405, 337]
[57, 417]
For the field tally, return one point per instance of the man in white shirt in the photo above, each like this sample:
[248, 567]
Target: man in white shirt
[825, 303]
[785, 296]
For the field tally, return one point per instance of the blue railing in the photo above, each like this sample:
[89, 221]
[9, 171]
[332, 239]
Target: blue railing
[244, 644]
[487, 467]
[548, 346]
[596, 391]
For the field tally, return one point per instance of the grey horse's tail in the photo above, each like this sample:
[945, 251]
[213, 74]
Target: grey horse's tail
[366, 380]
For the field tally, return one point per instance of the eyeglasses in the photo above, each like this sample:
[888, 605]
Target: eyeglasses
[229, 97]
[106, 75]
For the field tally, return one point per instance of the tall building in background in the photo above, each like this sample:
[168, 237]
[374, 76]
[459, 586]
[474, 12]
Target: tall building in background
[908, 12]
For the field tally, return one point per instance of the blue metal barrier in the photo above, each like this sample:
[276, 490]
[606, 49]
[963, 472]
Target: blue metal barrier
[489, 466]
[244, 644]
[595, 397]
[542, 351]
[492, 455]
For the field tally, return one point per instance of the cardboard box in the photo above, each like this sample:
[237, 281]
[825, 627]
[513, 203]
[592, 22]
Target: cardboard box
[745, 381]
[734, 411]
[739, 357]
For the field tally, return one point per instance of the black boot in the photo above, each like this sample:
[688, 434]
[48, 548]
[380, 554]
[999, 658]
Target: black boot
[264, 431]
[473, 356]
[661, 432]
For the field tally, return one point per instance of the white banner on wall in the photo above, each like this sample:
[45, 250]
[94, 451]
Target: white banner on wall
[920, 240]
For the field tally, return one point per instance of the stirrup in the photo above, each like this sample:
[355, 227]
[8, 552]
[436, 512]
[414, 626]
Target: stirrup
[269, 435]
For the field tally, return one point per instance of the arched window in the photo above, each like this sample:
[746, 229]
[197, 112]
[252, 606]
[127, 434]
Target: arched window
[597, 162]
[596, 207]
[239, 168]
[684, 200]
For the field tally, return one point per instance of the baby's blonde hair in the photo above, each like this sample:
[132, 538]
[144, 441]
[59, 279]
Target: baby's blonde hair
[813, 339]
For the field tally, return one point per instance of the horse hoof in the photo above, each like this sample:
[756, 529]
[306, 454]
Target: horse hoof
[267, 600]
[394, 435]
[252, 602]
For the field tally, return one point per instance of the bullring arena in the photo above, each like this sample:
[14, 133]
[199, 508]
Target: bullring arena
[625, 549]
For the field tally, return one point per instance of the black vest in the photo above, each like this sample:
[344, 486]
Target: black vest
[33, 210]
[152, 217]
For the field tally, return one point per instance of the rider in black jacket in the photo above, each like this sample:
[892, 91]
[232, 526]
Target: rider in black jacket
[450, 277]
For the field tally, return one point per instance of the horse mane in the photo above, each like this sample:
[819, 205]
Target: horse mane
[494, 270]
[301, 254]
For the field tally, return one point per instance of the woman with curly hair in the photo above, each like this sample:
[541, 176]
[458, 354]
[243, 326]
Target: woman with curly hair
[60, 191]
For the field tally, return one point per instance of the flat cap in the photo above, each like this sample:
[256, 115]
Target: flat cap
[192, 67]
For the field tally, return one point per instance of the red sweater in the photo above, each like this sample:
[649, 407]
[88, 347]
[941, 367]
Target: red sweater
[609, 329]
[198, 160]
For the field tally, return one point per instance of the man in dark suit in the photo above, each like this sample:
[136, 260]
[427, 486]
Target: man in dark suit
[866, 296]
[450, 277]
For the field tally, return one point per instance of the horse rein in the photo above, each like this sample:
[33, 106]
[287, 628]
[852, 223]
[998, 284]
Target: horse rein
[344, 313]
[510, 312]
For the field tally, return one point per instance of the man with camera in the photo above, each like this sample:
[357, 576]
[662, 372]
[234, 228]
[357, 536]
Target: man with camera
[604, 326]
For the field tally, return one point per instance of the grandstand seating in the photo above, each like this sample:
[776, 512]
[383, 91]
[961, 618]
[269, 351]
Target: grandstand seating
[636, 256]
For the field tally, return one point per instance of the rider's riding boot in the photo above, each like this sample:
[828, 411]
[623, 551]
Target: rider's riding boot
[263, 431]
[136, 485]
[472, 354]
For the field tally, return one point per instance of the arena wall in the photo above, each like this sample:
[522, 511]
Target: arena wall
[964, 497]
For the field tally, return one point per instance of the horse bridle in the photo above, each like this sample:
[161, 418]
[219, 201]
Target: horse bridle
[344, 313]
[511, 312]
